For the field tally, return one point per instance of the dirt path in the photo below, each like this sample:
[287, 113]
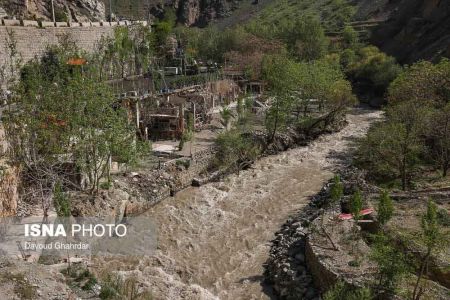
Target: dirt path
[214, 240]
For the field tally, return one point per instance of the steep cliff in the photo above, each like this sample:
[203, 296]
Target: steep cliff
[189, 12]
[194, 12]
[413, 29]
[76, 10]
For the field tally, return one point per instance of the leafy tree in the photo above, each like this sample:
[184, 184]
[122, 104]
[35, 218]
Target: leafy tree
[435, 241]
[392, 263]
[226, 116]
[439, 134]
[337, 189]
[424, 83]
[123, 46]
[281, 74]
[61, 202]
[370, 65]
[350, 37]
[64, 117]
[235, 151]
[385, 208]
[356, 205]
[306, 38]
[392, 148]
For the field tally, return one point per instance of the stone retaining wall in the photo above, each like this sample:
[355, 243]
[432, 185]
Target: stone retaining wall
[33, 38]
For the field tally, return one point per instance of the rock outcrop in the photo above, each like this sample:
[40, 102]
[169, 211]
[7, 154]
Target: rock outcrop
[410, 30]
[78, 10]
[194, 12]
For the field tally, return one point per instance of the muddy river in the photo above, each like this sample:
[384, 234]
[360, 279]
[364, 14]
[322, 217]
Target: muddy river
[214, 240]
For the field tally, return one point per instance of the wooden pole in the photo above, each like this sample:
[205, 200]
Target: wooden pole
[53, 12]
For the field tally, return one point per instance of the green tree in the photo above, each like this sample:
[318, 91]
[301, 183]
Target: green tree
[63, 116]
[392, 264]
[371, 67]
[226, 116]
[393, 148]
[350, 37]
[385, 208]
[281, 73]
[123, 46]
[435, 241]
[337, 189]
[439, 133]
[307, 39]
[61, 202]
[235, 151]
[424, 83]
[356, 205]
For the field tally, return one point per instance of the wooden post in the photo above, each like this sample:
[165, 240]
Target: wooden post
[53, 12]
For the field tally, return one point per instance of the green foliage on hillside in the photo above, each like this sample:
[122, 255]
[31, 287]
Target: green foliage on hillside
[416, 133]
[235, 151]
[295, 86]
[334, 14]
[63, 114]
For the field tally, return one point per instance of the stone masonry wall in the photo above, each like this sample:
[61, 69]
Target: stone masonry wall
[33, 41]
[33, 38]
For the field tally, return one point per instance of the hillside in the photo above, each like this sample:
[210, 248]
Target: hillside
[424, 26]
[77, 10]
[414, 29]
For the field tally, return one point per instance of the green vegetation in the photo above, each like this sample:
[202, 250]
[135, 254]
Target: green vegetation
[342, 291]
[333, 14]
[68, 119]
[415, 135]
[435, 241]
[368, 66]
[235, 151]
[392, 264]
[296, 86]
[337, 189]
[385, 208]
[61, 202]
[356, 204]
[113, 287]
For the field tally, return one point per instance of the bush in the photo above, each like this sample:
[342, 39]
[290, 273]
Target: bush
[443, 217]
[234, 151]
[337, 189]
[370, 65]
[114, 287]
[341, 291]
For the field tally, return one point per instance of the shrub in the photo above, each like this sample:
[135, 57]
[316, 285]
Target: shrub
[341, 291]
[114, 287]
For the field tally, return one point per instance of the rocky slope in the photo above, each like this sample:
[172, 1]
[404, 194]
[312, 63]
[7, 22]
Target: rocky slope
[189, 12]
[411, 29]
[77, 10]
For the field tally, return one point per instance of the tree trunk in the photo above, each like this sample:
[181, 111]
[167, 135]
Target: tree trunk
[423, 265]
[275, 125]
[403, 173]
